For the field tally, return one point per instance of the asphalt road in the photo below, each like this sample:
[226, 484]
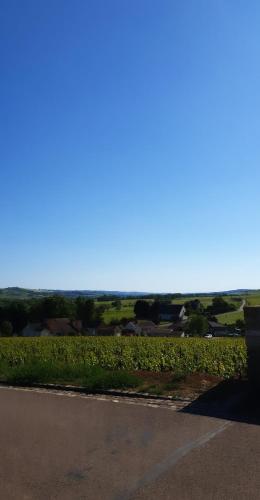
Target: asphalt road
[74, 448]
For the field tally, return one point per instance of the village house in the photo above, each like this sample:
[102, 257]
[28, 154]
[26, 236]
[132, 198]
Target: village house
[218, 330]
[139, 327]
[171, 330]
[172, 312]
[131, 328]
[159, 331]
[145, 325]
[108, 330]
[53, 327]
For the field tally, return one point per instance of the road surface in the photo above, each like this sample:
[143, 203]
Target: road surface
[55, 446]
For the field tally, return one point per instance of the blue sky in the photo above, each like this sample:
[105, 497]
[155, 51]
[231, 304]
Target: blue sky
[130, 148]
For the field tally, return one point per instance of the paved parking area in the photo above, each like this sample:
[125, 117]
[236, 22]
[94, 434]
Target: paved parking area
[68, 447]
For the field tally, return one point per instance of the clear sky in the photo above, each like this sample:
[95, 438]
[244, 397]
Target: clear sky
[130, 144]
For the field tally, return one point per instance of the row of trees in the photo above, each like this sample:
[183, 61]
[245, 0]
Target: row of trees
[198, 315]
[15, 315]
[145, 310]
[218, 306]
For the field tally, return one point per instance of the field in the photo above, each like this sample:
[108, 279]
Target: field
[230, 317]
[111, 313]
[206, 301]
[127, 309]
[224, 357]
[253, 299]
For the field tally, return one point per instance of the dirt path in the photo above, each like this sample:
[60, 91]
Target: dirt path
[241, 308]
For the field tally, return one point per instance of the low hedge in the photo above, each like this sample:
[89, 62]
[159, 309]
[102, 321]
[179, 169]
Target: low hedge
[222, 357]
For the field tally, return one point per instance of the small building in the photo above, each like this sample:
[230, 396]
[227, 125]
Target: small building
[178, 329]
[163, 331]
[108, 331]
[172, 312]
[35, 330]
[145, 325]
[218, 330]
[159, 332]
[89, 332]
[132, 328]
[53, 327]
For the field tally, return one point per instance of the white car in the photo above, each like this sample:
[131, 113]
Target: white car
[208, 336]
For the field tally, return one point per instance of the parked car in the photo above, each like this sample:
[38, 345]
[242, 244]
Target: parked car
[208, 336]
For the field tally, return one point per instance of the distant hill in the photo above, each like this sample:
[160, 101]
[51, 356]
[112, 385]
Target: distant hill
[27, 293]
[239, 291]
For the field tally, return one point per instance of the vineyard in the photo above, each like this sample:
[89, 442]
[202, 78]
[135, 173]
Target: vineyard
[221, 357]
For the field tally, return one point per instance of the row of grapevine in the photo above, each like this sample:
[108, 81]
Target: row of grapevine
[223, 357]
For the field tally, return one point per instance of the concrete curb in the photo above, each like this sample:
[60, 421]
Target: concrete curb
[100, 392]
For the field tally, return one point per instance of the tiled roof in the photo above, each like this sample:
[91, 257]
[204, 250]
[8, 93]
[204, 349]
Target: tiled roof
[62, 326]
[173, 309]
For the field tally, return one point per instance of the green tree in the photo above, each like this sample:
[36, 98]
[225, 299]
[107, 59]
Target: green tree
[58, 306]
[220, 306]
[117, 304]
[197, 325]
[6, 329]
[155, 311]
[55, 306]
[193, 307]
[17, 314]
[85, 310]
[142, 309]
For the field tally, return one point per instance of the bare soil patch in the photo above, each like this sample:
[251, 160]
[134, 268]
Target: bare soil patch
[170, 384]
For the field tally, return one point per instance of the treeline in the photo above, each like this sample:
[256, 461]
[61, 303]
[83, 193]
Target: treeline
[218, 306]
[198, 315]
[145, 310]
[152, 296]
[166, 297]
[15, 315]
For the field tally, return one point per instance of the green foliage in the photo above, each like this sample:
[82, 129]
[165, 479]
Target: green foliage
[85, 310]
[223, 357]
[54, 307]
[6, 329]
[142, 309]
[197, 325]
[117, 304]
[145, 310]
[16, 312]
[220, 306]
[98, 378]
[92, 377]
[193, 307]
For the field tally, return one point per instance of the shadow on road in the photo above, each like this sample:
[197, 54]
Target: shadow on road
[235, 400]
